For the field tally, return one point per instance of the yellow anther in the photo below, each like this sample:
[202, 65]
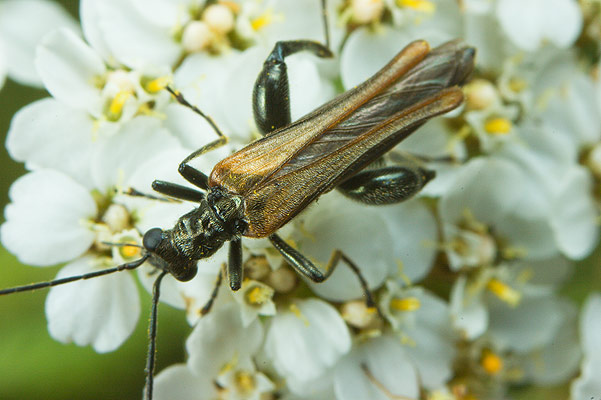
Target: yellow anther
[259, 295]
[491, 362]
[498, 126]
[245, 382]
[406, 304]
[425, 6]
[158, 84]
[262, 20]
[504, 292]
[517, 85]
[128, 252]
[118, 102]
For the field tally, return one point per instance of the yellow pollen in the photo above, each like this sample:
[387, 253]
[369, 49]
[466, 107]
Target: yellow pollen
[491, 362]
[130, 251]
[158, 84]
[262, 20]
[245, 382]
[504, 292]
[498, 126]
[118, 101]
[406, 304]
[259, 295]
[425, 6]
[517, 85]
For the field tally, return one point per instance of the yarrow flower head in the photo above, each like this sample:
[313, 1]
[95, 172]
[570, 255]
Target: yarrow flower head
[456, 293]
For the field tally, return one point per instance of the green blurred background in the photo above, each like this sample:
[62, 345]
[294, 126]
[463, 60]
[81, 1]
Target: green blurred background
[33, 366]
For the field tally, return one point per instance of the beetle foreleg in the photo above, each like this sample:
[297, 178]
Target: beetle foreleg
[191, 174]
[178, 191]
[234, 264]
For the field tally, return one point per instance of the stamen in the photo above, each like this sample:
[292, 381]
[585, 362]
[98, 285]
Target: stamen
[245, 382]
[425, 6]
[116, 106]
[498, 126]
[491, 362]
[259, 295]
[406, 304]
[262, 20]
[504, 292]
[158, 84]
[518, 85]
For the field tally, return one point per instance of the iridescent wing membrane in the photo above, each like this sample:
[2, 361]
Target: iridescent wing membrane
[280, 174]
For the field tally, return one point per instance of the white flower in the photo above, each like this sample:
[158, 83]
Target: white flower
[421, 321]
[220, 351]
[22, 24]
[400, 247]
[391, 372]
[306, 340]
[72, 223]
[527, 24]
[588, 385]
[493, 195]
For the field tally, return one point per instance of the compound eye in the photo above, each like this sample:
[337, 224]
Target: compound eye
[152, 239]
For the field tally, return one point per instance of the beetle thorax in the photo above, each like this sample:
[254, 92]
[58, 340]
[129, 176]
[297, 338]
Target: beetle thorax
[201, 232]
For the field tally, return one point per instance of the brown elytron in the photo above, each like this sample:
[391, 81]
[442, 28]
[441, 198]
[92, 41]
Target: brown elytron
[280, 174]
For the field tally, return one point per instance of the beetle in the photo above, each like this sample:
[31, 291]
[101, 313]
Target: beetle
[255, 191]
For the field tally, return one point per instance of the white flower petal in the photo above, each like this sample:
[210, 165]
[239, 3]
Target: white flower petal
[557, 363]
[118, 156]
[575, 214]
[415, 233]
[432, 355]
[528, 23]
[220, 338]
[23, 23]
[469, 315]
[135, 40]
[532, 324]
[43, 132]
[386, 360]
[45, 223]
[588, 385]
[90, 17]
[180, 382]
[303, 346]
[483, 188]
[102, 311]
[563, 21]
[374, 50]
[69, 69]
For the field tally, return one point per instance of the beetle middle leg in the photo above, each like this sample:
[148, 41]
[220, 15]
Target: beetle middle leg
[305, 267]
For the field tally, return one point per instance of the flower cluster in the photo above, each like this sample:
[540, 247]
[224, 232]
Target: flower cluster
[467, 276]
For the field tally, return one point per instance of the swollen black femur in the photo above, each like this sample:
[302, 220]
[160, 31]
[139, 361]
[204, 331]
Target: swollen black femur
[152, 239]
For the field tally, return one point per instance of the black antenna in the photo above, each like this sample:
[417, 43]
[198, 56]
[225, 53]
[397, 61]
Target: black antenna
[152, 336]
[128, 266]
